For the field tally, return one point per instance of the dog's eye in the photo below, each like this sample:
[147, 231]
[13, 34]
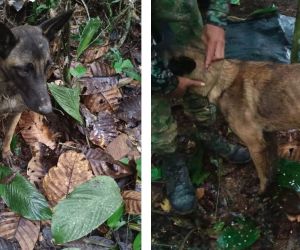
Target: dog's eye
[24, 70]
[29, 67]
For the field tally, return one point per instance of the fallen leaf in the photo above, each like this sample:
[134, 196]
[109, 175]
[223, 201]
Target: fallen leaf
[72, 169]
[166, 205]
[119, 147]
[102, 69]
[35, 170]
[200, 193]
[130, 109]
[95, 52]
[95, 85]
[103, 130]
[34, 130]
[26, 232]
[104, 164]
[132, 200]
[106, 101]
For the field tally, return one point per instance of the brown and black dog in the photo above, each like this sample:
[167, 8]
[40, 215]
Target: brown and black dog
[24, 59]
[256, 98]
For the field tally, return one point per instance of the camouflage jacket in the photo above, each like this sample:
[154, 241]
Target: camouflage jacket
[163, 80]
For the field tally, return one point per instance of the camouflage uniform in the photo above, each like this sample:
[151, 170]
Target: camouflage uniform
[182, 23]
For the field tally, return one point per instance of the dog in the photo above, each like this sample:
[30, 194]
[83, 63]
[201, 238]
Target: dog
[256, 98]
[24, 59]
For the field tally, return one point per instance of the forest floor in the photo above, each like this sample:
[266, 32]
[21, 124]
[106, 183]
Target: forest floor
[99, 54]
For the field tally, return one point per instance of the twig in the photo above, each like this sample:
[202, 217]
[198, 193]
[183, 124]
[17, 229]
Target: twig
[86, 9]
[181, 247]
[219, 186]
[127, 27]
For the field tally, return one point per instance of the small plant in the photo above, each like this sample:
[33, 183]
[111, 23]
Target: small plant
[122, 65]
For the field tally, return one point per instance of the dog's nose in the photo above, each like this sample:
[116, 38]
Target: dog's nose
[45, 109]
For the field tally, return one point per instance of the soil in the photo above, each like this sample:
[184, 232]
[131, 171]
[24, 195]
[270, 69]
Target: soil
[229, 190]
[287, 7]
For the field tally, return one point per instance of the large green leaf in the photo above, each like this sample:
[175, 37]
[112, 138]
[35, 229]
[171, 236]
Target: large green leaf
[86, 208]
[68, 99]
[198, 175]
[241, 234]
[137, 243]
[22, 197]
[115, 221]
[88, 33]
[288, 174]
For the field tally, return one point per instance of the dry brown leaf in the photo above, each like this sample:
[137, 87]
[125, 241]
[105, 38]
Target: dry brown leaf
[103, 164]
[96, 103]
[200, 193]
[104, 130]
[289, 151]
[95, 52]
[72, 170]
[102, 69]
[35, 170]
[95, 85]
[26, 232]
[119, 147]
[130, 109]
[132, 200]
[165, 205]
[107, 100]
[34, 130]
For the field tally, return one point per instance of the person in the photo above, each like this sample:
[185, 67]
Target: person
[179, 23]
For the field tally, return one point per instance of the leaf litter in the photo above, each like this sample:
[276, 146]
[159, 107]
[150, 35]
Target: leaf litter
[90, 130]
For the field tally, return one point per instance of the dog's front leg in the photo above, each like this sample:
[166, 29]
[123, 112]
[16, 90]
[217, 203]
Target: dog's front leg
[10, 126]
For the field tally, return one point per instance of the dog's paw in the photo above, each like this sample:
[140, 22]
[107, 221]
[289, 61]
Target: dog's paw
[8, 159]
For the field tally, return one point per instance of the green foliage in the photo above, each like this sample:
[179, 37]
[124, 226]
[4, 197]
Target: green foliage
[124, 66]
[14, 145]
[156, 174]
[288, 174]
[240, 234]
[22, 197]
[198, 175]
[115, 221]
[139, 167]
[88, 34]
[86, 208]
[78, 71]
[137, 243]
[40, 8]
[68, 99]
[265, 11]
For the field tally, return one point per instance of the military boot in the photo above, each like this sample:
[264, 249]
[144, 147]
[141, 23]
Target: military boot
[216, 143]
[180, 190]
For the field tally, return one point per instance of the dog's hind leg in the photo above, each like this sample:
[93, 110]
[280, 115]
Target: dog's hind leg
[258, 148]
[10, 126]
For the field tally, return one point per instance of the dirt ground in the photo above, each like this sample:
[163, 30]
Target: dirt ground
[287, 7]
[229, 190]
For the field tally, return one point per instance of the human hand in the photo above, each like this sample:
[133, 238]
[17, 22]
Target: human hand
[183, 84]
[214, 39]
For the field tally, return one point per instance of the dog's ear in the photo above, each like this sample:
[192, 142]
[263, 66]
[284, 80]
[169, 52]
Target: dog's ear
[7, 41]
[51, 26]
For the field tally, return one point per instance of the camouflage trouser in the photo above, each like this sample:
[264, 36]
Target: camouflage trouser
[164, 126]
[185, 23]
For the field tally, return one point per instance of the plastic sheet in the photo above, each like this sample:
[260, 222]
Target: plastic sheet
[263, 39]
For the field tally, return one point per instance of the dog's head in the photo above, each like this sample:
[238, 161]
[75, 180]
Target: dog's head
[25, 56]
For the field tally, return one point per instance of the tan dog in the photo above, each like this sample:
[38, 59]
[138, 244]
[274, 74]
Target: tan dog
[255, 98]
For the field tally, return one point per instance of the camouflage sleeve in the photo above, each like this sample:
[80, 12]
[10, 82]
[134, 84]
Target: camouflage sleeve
[217, 12]
[162, 79]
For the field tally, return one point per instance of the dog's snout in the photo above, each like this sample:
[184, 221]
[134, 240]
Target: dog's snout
[45, 109]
